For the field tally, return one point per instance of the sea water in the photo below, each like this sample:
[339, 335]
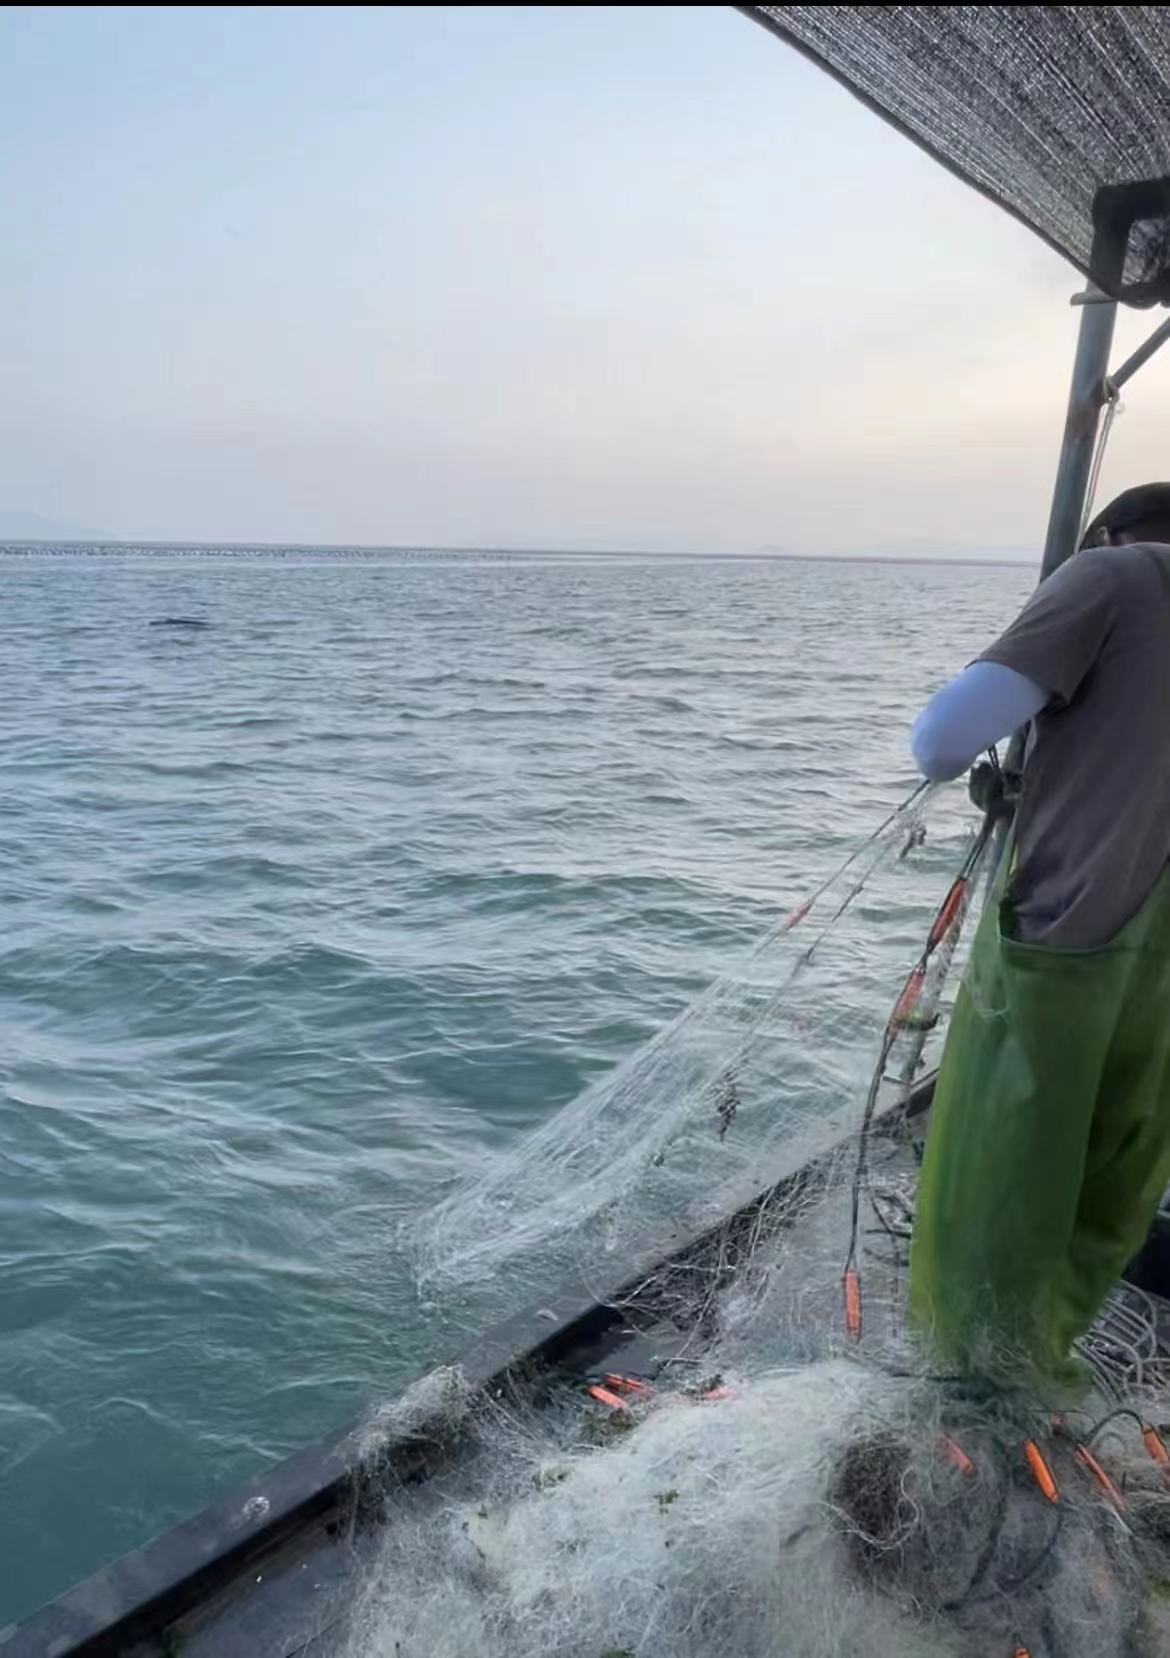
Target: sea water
[306, 910]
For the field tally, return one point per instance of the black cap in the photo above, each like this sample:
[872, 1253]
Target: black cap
[1130, 507]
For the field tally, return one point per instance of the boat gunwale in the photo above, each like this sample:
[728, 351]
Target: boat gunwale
[336, 1481]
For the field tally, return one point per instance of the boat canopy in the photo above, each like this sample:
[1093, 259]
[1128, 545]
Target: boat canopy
[1060, 114]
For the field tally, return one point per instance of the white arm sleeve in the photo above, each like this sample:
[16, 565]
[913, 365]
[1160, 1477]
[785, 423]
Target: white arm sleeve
[982, 706]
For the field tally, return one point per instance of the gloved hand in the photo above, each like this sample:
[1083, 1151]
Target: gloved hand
[990, 789]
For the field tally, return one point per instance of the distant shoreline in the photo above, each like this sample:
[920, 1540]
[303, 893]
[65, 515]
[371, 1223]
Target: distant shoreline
[30, 548]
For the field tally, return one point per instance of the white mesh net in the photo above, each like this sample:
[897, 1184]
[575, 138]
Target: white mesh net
[756, 1479]
[768, 1064]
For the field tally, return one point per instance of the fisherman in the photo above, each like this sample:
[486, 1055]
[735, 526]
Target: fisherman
[1049, 1145]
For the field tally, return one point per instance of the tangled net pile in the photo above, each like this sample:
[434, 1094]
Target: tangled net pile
[765, 1481]
[805, 1513]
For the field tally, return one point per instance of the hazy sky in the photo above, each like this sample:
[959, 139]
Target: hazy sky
[564, 276]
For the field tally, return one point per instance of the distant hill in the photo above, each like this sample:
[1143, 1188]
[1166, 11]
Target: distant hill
[32, 526]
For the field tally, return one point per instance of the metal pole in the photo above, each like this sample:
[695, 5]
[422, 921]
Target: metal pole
[1087, 394]
[1085, 398]
[1142, 355]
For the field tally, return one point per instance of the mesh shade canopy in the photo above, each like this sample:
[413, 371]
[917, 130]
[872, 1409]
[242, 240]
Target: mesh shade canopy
[1039, 108]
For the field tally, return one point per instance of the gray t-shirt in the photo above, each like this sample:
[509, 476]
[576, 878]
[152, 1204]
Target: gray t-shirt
[1093, 825]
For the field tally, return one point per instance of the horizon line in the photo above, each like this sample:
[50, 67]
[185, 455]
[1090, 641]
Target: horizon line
[47, 544]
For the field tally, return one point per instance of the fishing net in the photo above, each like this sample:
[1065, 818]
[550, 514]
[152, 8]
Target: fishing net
[756, 1511]
[774, 1469]
[764, 1068]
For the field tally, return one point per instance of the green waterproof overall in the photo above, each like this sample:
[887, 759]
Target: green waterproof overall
[1048, 1150]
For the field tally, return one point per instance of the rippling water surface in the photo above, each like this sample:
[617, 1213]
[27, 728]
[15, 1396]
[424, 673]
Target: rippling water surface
[304, 910]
